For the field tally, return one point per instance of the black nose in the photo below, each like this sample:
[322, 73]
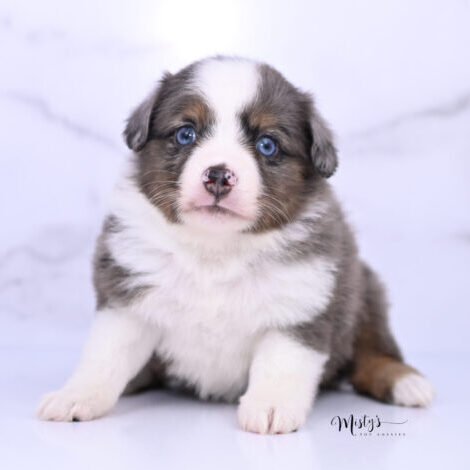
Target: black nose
[219, 181]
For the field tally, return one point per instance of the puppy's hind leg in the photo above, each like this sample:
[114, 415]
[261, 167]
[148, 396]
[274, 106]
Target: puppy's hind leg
[378, 367]
[117, 348]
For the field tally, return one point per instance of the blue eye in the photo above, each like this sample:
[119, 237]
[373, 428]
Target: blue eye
[266, 146]
[185, 135]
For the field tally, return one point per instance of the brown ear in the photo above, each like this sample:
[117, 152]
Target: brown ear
[324, 154]
[138, 124]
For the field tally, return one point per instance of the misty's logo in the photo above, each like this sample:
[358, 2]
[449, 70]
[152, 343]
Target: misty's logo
[364, 423]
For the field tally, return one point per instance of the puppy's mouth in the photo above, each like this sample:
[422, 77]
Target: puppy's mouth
[215, 210]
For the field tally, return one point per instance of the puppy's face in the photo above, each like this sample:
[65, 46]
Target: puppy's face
[229, 145]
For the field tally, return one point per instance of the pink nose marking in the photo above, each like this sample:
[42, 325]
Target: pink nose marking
[229, 178]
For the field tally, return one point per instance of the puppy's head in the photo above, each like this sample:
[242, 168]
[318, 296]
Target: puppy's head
[229, 144]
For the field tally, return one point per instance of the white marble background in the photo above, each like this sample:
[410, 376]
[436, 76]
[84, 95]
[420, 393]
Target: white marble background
[393, 79]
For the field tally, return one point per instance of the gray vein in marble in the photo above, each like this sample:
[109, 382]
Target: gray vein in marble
[42, 107]
[53, 246]
[5, 22]
[463, 236]
[39, 256]
[77, 46]
[449, 109]
[34, 35]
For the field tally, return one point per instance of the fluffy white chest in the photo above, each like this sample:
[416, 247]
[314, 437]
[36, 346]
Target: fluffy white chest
[211, 308]
[209, 350]
[210, 316]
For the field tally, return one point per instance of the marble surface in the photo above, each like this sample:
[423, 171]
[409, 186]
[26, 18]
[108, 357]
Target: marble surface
[161, 430]
[393, 79]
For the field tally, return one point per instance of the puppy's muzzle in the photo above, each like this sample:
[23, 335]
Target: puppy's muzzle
[219, 181]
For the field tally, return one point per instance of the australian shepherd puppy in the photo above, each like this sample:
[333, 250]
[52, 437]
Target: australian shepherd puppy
[226, 266]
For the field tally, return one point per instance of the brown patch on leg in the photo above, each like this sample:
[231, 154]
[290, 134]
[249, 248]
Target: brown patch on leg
[376, 375]
[377, 362]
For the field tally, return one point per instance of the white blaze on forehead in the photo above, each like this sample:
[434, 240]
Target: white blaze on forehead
[228, 85]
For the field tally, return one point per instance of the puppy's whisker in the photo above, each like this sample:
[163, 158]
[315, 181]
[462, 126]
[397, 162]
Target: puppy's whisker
[164, 190]
[169, 205]
[160, 198]
[158, 171]
[271, 213]
[283, 217]
[159, 182]
[282, 208]
[270, 196]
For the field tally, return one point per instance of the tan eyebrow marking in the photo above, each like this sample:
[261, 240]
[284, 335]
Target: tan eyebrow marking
[260, 119]
[197, 111]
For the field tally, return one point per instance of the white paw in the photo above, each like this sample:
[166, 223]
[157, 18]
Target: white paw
[412, 390]
[265, 417]
[71, 404]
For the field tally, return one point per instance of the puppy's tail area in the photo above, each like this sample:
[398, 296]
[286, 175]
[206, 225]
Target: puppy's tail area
[378, 367]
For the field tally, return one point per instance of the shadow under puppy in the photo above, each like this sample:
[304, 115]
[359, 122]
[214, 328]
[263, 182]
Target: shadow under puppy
[226, 265]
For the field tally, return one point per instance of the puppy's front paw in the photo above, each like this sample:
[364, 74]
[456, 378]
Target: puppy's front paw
[71, 404]
[270, 417]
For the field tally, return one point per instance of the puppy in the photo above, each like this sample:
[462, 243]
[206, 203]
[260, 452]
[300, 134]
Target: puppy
[225, 265]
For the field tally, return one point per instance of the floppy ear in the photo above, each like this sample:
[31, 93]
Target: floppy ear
[138, 125]
[324, 155]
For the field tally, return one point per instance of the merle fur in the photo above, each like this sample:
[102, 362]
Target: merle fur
[306, 157]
